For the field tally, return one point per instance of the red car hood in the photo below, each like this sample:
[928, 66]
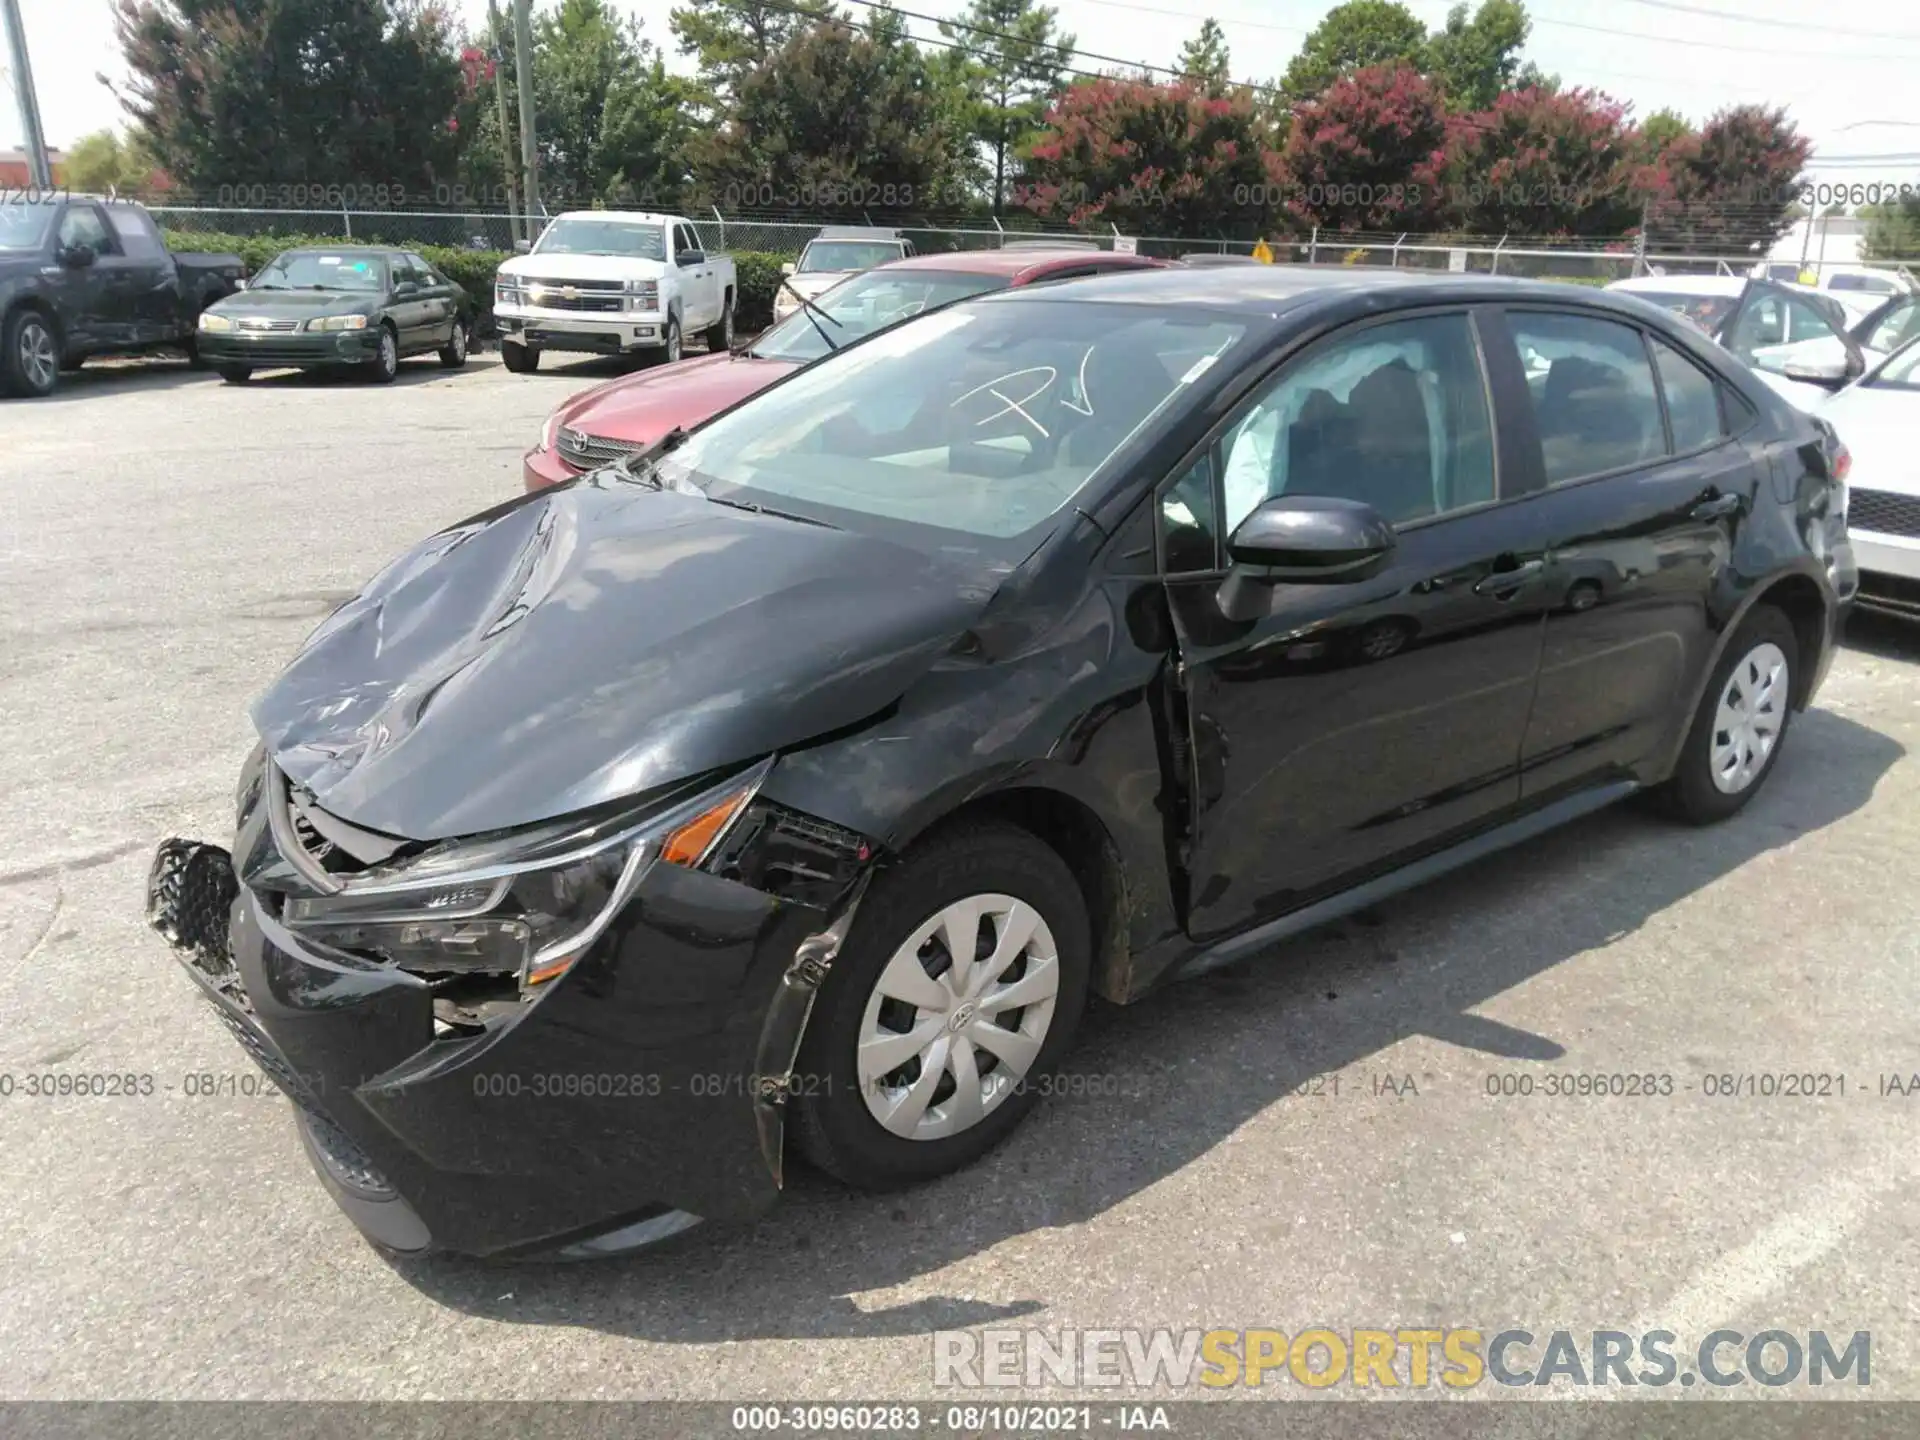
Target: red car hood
[643, 407]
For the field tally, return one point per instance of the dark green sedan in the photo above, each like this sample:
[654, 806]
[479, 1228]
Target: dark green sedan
[362, 308]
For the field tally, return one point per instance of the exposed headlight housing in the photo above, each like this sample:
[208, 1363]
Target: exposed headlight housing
[338, 322]
[643, 295]
[211, 321]
[528, 904]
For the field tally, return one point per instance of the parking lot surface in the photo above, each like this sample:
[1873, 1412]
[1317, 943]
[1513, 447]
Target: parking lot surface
[1304, 1139]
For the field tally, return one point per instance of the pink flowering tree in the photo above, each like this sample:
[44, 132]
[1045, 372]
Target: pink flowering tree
[1369, 153]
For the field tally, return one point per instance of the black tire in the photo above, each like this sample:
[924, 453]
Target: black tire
[833, 1127]
[29, 355]
[385, 365]
[194, 358]
[454, 353]
[673, 348]
[519, 359]
[235, 374]
[1691, 793]
[719, 335]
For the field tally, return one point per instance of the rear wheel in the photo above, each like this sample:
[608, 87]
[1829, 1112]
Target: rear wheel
[519, 359]
[1741, 723]
[235, 374]
[454, 353]
[29, 355]
[960, 987]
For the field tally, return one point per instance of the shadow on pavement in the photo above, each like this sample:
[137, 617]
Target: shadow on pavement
[1193, 1064]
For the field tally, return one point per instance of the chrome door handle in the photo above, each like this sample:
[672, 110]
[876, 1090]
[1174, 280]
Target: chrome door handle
[1717, 507]
[1502, 583]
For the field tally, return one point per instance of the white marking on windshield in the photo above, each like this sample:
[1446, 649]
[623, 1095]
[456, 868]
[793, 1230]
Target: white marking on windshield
[1011, 406]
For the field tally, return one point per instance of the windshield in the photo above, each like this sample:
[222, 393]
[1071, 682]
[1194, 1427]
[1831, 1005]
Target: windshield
[983, 419]
[317, 270]
[848, 255]
[23, 224]
[634, 240]
[1902, 372]
[863, 305]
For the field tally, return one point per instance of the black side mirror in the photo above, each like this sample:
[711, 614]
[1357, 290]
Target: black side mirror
[1301, 540]
[691, 257]
[77, 257]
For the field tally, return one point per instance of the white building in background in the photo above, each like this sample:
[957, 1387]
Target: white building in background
[1821, 240]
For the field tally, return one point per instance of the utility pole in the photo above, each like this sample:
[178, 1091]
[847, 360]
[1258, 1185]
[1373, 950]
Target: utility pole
[37, 164]
[523, 66]
[496, 55]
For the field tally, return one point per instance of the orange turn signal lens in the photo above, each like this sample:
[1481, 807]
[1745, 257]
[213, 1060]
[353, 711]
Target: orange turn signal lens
[689, 844]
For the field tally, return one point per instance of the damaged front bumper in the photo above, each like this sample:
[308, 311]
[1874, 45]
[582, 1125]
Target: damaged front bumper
[641, 1092]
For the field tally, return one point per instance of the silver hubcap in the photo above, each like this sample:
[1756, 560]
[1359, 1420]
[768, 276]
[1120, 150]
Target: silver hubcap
[958, 1016]
[673, 342]
[37, 359]
[726, 330]
[460, 341]
[389, 354]
[1753, 706]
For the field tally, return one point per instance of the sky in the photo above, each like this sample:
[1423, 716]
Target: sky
[1845, 69]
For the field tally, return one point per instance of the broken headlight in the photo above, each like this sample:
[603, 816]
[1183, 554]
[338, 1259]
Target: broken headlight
[527, 904]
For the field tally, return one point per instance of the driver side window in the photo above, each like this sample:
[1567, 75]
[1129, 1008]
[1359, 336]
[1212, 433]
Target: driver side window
[1394, 415]
[82, 225]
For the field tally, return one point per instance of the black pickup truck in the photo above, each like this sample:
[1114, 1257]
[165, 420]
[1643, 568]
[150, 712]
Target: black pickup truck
[82, 276]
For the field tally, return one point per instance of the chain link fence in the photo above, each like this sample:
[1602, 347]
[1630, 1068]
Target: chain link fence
[1594, 262]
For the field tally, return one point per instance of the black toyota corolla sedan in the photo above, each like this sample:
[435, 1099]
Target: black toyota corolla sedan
[798, 781]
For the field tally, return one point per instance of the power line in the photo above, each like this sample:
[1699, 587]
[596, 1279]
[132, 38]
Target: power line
[1738, 18]
[1799, 54]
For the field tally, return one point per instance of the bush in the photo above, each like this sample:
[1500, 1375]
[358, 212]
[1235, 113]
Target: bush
[758, 270]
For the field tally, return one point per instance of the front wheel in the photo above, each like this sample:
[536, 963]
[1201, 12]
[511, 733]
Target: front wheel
[29, 355]
[454, 353]
[1742, 720]
[951, 1004]
[670, 351]
[720, 333]
[519, 359]
[385, 364]
[236, 374]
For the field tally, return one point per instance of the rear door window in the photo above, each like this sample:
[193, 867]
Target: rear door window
[138, 237]
[1593, 393]
[1693, 406]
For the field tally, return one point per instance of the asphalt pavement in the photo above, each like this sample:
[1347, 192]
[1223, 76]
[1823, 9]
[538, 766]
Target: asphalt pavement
[1305, 1139]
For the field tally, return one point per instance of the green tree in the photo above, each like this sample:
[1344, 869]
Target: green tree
[1475, 60]
[106, 161]
[294, 93]
[1893, 230]
[836, 119]
[1205, 59]
[1355, 36]
[729, 39]
[609, 118]
[1015, 60]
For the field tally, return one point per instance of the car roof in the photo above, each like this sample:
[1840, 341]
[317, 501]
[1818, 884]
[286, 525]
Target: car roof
[1265, 291]
[634, 217]
[857, 232]
[1684, 284]
[1005, 262]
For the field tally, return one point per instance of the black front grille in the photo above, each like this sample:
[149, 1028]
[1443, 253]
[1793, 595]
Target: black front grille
[586, 451]
[604, 286]
[1883, 512]
[597, 304]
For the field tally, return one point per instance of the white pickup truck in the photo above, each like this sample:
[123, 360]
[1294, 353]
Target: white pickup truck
[612, 282]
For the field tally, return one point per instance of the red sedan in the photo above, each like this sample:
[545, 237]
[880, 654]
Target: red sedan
[600, 425]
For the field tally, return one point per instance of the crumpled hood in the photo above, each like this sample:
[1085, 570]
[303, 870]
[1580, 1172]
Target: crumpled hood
[593, 641]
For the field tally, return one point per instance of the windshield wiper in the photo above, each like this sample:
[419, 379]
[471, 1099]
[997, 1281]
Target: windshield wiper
[812, 311]
[753, 509]
[637, 464]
